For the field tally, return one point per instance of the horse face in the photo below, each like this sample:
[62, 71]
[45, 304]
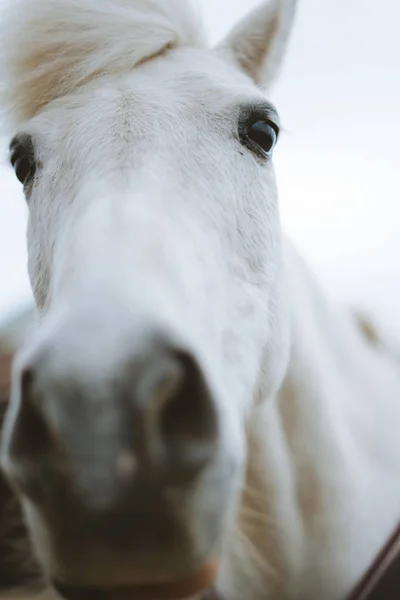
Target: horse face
[155, 260]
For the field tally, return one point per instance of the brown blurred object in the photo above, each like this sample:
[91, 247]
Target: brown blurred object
[17, 566]
[5, 376]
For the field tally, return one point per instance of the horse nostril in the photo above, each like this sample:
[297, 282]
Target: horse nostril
[30, 435]
[27, 377]
[188, 423]
[177, 414]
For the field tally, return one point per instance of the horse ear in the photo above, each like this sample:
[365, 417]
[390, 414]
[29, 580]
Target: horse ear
[258, 43]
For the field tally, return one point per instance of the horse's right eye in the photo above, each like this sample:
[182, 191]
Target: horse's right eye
[258, 129]
[22, 158]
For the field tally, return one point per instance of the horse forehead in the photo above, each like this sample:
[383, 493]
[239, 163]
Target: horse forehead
[188, 72]
[179, 87]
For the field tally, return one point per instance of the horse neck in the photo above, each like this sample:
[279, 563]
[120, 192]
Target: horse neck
[320, 455]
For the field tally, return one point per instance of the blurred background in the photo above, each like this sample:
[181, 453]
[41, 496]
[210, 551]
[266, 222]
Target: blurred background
[337, 162]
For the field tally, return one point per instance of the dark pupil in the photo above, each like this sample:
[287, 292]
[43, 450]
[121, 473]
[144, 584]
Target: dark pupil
[22, 168]
[263, 135]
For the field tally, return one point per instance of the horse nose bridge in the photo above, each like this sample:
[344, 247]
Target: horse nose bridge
[149, 419]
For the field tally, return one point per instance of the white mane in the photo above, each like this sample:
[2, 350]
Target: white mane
[51, 47]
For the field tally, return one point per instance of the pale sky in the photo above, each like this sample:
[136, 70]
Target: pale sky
[338, 162]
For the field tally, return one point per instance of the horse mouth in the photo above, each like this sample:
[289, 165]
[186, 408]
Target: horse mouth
[196, 586]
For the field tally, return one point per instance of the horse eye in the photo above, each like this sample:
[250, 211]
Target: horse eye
[22, 158]
[261, 137]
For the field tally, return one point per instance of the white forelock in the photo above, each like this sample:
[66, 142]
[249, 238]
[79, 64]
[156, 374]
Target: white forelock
[51, 47]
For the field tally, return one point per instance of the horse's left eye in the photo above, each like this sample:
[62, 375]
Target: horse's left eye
[22, 158]
[261, 137]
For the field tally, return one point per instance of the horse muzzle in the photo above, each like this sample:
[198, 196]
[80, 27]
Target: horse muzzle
[114, 447]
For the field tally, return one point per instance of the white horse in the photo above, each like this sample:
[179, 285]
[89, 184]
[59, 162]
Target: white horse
[189, 397]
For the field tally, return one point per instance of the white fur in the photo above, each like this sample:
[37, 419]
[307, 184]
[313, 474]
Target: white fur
[147, 209]
[50, 49]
